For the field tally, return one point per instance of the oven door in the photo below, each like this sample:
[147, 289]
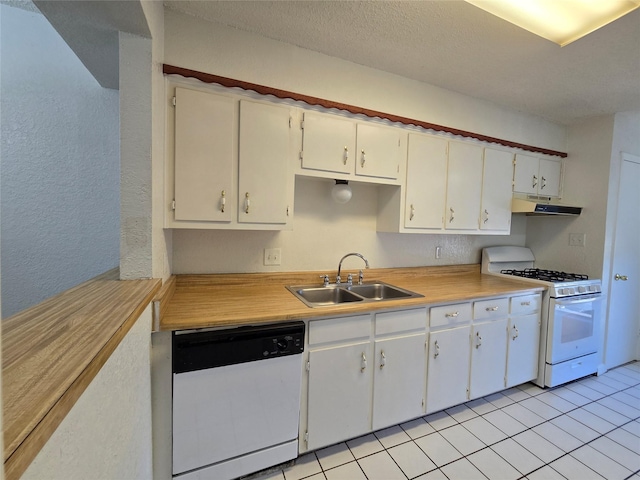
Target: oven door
[573, 326]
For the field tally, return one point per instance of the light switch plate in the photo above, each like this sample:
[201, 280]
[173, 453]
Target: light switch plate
[272, 256]
[577, 239]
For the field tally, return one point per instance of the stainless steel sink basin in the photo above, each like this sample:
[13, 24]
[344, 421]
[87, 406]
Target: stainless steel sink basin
[332, 295]
[380, 291]
[325, 296]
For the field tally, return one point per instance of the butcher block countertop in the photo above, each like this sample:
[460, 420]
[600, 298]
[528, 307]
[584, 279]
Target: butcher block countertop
[52, 351]
[224, 300]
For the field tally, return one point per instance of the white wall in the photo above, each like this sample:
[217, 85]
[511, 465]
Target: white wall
[323, 233]
[60, 165]
[585, 184]
[107, 434]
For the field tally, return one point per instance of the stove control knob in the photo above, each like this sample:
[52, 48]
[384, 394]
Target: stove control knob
[572, 291]
[582, 289]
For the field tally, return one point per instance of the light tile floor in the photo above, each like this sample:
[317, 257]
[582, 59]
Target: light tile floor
[588, 429]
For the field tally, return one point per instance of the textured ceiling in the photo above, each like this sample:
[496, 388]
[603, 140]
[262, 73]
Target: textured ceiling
[457, 46]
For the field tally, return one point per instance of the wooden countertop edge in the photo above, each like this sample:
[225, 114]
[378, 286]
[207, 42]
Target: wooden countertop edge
[199, 303]
[162, 299]
[18, 461]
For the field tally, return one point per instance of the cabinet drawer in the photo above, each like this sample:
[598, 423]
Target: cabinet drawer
[339, 329]
[525, 304]
[401, 321]
[450, 314]
[487, 309]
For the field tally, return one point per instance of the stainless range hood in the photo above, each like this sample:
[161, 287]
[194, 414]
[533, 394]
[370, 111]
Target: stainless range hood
[536, 207]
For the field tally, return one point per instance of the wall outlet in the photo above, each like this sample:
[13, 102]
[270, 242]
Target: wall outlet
[577, 239]
[272, 256]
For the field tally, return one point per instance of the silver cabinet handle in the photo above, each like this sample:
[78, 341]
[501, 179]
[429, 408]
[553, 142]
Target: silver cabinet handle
[412, 211]
[624, 278]
[223, 201]
[534, 182]
[363, 363]
[345, 157]
[363, 159]
[437, 348]
[492, 309]
[486, 216]
[383, 360]
[478, 340]
[543, 183]
[247, 202]
[451, 315]
[451, 217]
[515, 332]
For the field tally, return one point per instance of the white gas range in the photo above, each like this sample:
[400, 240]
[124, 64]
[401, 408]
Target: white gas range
[570, 314]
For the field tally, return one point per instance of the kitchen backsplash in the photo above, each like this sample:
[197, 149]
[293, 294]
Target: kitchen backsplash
[323, 231]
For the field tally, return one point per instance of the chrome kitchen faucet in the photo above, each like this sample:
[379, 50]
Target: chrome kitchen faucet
[360, 274]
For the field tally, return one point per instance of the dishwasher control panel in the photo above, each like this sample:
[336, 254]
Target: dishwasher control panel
[216, 348]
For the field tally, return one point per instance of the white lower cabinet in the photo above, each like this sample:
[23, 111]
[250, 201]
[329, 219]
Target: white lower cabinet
[488, 357]
[368, 372]
[488, 347]
[523, 340]
[358, 383]
[339, 405]
[400, 367]
[448, 371]
[448, 367]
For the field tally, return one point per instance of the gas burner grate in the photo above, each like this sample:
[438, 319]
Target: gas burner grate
[546, 275]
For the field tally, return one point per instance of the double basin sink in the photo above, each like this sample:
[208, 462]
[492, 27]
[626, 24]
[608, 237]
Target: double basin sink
[334, 294]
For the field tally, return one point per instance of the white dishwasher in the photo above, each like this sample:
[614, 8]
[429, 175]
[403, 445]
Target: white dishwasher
[236, 399]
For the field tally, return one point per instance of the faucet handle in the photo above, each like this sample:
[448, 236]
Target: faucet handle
[360, 277]
[325, 279]
[350, 279]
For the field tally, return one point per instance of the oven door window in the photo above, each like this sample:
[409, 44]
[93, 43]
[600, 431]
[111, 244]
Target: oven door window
[573, 327]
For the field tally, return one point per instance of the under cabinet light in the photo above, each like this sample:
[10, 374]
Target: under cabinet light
[561, 21]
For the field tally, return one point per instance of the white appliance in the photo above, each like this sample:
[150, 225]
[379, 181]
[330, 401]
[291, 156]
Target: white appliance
[236, 400]
[571, 308]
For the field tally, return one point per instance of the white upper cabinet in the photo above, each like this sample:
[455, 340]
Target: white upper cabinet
[464, 186]
[550, 176]
[338, 147]
[205, 152]
[378, 151]
[426, 182]
[228, 163]
[328, 143]
[263, 163]
[537, 176]
[497, 175]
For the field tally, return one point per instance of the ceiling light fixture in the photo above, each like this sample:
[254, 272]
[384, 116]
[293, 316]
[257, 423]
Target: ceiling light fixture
[561, 21]
[341, 191]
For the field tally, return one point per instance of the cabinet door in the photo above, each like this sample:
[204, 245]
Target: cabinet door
[464, 186]
[448, 368]
[497, 178]
[549, 185]
[339, 402]
[205, 156]
[399, 380]
[378, 151]
[488, 358]
[263, 183]
[526, 178]
[328, 143]
[426, 182]
[523, 341]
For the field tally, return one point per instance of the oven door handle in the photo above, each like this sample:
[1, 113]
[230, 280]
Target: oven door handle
[575, 301]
